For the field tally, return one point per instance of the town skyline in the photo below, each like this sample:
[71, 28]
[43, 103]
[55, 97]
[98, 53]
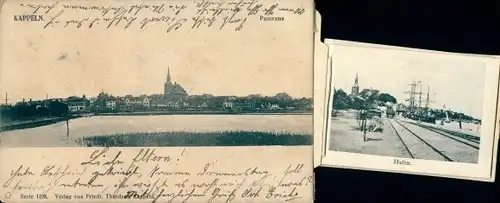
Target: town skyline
[172, 99]
[14, 97]
[394, 75]
[47, 96]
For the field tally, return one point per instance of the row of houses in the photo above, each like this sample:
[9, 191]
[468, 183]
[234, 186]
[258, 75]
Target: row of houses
[129, 102]
[243, 105]
[80, 104]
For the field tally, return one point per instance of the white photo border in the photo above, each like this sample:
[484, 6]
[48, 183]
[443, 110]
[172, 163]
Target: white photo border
[483, 170]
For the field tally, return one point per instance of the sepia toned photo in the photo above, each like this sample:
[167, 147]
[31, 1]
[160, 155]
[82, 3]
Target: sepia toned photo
[414, 121]
[160, 98]
[320, 72]
[409, 106]
[172, 117]
[156, 101]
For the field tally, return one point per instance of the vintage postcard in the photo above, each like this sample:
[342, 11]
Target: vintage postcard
[320, 71]
[331, 43]
[402, 110]
[364, 44]
[156, 101]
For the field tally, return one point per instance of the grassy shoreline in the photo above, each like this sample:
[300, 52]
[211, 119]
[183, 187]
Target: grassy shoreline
[32, 123]
[185, 139]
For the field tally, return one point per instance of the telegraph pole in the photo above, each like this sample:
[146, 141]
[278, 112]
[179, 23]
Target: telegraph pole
[6, 99]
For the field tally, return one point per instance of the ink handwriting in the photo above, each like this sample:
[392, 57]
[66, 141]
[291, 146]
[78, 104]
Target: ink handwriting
[150, 174]
[170, 15]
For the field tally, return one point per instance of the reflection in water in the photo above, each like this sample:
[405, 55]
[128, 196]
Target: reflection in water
[68, 141]
[65, 133]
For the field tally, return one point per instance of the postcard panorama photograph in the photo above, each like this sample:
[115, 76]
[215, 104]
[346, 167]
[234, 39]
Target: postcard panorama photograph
[120, 88]
[400, 106]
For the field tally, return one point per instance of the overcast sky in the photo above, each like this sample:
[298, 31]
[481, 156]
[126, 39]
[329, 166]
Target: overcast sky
[458, 84]
[64, 62]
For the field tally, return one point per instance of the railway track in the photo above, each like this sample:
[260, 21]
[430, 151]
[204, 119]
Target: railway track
[430, 146]
[402, 141]
[459, 137]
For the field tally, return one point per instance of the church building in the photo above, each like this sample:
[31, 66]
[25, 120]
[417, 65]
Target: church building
[173, 92]
[173, 95]
[355, 87]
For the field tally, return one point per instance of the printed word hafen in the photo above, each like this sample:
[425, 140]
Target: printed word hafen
[28, 18]
[401, 162]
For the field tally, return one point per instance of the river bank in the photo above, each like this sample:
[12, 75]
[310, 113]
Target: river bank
[18, 125]
[190, 139]
[161, 130]
[33, 123]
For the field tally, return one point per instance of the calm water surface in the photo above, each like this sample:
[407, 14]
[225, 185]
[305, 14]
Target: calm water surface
[57, 134]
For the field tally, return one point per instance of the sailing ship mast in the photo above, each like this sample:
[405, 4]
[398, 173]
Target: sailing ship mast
[427, 101]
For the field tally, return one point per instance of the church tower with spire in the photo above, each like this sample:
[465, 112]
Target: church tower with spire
[173, 91]
[169, 80]
[355, 87]
[168, 84]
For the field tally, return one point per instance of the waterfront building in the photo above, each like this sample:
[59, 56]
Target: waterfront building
[227, 104]
[77, 104]
[111, 104]
[146, 102]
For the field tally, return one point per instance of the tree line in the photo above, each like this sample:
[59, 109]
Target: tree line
[59, 108]
[341, 100]
[34, 109]
[211, 102]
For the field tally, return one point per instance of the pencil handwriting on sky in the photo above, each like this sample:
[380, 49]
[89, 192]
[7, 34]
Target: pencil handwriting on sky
[172, 15]
[126, 47]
